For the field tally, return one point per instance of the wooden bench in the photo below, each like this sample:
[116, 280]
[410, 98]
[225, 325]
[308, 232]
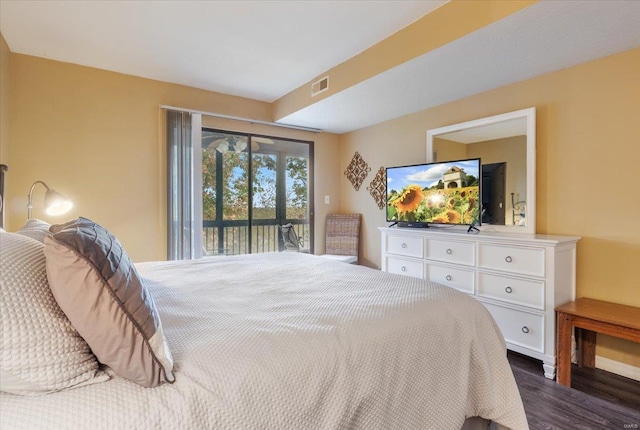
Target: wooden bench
[589, 317]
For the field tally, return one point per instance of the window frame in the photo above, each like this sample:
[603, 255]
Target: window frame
[281, 203]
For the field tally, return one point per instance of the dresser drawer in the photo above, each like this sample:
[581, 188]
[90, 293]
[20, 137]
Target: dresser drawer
[403, 266]
[522, 260]
[514, 290]
[518, 327]
[451, 251]
[406, 245]
[460, 279]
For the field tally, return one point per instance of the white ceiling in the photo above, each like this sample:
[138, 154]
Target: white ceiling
[256, 49]
[545, 37]
[264, 49]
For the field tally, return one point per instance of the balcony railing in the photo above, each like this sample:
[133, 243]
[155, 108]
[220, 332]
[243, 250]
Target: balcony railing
[232, 237]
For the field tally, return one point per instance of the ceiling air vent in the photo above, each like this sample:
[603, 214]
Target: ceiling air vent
[319, 86]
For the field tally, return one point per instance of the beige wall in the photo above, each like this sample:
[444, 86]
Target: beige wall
[448, 150]
[5, 73]
[97, 137]
[587, 132]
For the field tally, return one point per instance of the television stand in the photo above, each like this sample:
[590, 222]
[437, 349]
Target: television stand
[472, 228]
[413, 224]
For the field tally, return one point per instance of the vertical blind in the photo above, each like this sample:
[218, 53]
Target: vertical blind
[184, 202]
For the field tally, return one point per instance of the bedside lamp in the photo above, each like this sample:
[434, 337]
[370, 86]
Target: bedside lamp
[54, 202]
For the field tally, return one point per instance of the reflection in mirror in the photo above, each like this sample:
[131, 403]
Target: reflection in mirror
[503, 150]
[506, 145]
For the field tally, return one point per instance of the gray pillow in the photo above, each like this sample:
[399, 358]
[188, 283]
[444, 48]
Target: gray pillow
[99, 289]
[35, 229]
[41, 352]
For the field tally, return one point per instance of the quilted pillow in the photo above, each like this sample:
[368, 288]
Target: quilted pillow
[41, 352]
[35, 229]
[99, 289]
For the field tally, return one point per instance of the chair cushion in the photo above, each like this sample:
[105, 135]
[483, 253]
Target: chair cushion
[99, 289]
[351, 259]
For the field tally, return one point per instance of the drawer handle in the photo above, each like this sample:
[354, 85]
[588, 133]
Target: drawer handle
[403, 245]
[525, 329]
[508, 259]
[508, 290]
[404, 269]
[449, 251]
[449, 277]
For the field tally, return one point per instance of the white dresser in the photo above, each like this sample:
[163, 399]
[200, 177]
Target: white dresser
[520, 278]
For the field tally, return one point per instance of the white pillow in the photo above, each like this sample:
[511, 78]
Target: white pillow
[35, 229]
[40, 351]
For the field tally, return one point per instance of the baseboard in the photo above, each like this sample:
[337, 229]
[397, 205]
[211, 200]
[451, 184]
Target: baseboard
[617, 367]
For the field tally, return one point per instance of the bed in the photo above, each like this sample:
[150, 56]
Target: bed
[295, 341]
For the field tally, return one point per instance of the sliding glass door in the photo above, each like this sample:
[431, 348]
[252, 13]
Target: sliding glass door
[251, 185]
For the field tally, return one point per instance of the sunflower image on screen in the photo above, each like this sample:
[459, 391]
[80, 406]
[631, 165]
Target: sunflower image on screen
[439, 193]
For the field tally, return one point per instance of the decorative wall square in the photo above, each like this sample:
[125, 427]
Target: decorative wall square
[357, 170]
[377, 187]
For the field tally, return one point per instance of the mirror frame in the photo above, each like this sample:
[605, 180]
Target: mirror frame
[530, 115]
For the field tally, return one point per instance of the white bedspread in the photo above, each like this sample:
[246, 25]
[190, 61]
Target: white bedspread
[293, 341]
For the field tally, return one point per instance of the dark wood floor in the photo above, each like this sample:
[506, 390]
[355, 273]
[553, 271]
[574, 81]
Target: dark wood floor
[596, 399]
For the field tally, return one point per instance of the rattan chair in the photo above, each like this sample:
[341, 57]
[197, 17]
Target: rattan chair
[343, 237]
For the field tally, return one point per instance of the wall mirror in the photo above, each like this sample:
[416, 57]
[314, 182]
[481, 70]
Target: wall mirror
[506, 145]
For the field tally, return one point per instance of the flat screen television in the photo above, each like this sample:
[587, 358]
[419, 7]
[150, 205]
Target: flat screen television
[446, 192]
